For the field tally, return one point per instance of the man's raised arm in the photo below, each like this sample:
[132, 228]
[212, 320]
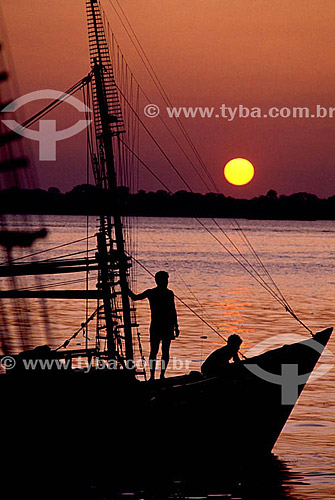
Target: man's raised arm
[138, 296]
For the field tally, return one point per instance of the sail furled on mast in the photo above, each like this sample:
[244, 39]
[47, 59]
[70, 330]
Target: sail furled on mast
[99, 54]
[121, 94]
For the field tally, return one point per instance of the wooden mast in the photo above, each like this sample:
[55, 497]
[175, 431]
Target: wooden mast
[105, 115]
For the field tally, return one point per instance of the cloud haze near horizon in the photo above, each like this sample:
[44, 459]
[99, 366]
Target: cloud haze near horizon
[205, 53]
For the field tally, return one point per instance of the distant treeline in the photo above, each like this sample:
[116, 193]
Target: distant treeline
[90, 200]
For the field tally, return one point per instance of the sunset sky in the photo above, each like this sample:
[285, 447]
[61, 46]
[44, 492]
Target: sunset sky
[257, 53]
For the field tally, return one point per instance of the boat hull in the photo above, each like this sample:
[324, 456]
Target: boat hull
[177, 424]
[240, 413]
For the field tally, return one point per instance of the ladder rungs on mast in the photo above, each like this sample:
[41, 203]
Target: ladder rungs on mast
[133, 325]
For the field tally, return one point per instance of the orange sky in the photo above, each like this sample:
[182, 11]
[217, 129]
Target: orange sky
[206, 52]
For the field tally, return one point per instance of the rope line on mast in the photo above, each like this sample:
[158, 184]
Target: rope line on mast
[186, 305]
[276, 293]
[153, 75]
[187, 286]
[53, 285]
[251, 272]
[166, 126]
[180, 300]
[265, 285]
[259, 277]
[83, 82]
[62, 98]
[280, 296]
[82, 326]
[277, 296]
[86, 97]
[286, 304]
[47, 250]
[66, 255]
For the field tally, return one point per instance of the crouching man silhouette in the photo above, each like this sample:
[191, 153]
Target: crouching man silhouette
[216, 362]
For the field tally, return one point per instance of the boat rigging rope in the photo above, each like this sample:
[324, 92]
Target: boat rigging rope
[180, 300]
[254, 273]
[251, 272]
[285, 303]
[67, 255]
[161, 91]
[82, 326]
[184, 303]
[62, 98]
[277, 294]
[47, 250]
[187, 286]
[86, 97]
[53, 285]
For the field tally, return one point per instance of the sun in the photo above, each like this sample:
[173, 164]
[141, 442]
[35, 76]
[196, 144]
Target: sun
[239, 171]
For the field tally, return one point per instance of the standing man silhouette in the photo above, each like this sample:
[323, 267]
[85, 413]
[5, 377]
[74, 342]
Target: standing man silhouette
[164, 324]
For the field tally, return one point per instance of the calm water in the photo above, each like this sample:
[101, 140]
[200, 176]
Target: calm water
[300, 258]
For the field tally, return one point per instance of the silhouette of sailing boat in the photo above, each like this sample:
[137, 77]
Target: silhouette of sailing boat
[253, 399]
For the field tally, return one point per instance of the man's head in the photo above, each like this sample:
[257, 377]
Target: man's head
[162, 279]
[234, 341]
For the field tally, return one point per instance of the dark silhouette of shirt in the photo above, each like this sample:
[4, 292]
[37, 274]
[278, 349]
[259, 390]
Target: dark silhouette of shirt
[163, 311]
